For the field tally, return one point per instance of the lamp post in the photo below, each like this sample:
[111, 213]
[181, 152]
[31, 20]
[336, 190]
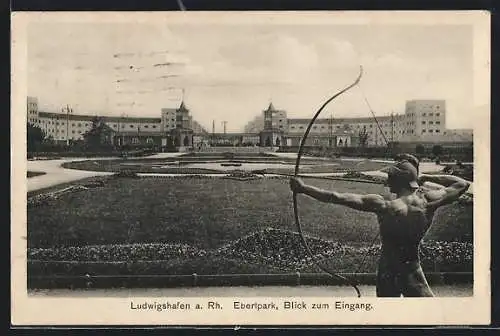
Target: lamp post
[331, 130]
[120, 134]
[68, 110]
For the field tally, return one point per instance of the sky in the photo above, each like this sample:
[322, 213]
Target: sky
[231, 72]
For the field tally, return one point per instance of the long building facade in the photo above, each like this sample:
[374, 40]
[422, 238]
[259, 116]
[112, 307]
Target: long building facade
[174, 124]
[422, 121]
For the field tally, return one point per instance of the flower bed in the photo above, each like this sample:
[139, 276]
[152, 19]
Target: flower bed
[273, 250]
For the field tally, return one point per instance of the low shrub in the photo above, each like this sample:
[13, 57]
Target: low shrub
[126, 174]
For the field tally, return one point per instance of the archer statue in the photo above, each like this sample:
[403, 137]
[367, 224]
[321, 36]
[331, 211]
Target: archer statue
[403, 221]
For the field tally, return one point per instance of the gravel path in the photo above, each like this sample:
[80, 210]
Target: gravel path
[55, 174]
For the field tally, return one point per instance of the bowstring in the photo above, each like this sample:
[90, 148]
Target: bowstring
[363, 260]
[379, 127]
[373, 115]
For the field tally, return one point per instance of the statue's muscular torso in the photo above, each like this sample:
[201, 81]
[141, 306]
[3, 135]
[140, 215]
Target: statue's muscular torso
[403, 225]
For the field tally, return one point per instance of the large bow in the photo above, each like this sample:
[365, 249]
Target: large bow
[297, 164]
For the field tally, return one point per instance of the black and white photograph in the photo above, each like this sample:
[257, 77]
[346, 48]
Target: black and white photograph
[255, 159]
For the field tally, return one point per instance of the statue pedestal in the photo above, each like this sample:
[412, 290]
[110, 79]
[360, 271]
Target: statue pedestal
[272, 138]
[183, 139]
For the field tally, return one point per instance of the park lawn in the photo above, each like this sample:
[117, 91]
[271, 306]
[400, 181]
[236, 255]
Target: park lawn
[203, 225]
[209, 212]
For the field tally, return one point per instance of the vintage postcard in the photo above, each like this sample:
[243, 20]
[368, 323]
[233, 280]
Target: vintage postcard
[253, 168]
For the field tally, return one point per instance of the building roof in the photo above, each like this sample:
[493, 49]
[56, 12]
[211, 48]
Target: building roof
[324, 135]
[142, 134]
[339, 120]
[272, 108]
[83, 117]
[183, 107]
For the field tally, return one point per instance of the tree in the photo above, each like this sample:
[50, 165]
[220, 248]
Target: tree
[186, 141]
[363, 137]
[437, 150]
[420, 149]
[35, 136]
[99, 134]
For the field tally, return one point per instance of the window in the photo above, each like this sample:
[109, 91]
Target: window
[146, 126]
[431, 122]
[438, 131]
[423, 131]
[80, 124]
[292, 127]
[430, 131]
[73, 124]
[135, 140]
[73, 132]
[301, 127]
[57, 123]
[438, 122]
[431, 114]
[314, 127]
[131, 126]
[154, 126]
[423, 114]
[438, 114]
[86, 125]
[371, 126]
[423, 122]
[114, 125]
